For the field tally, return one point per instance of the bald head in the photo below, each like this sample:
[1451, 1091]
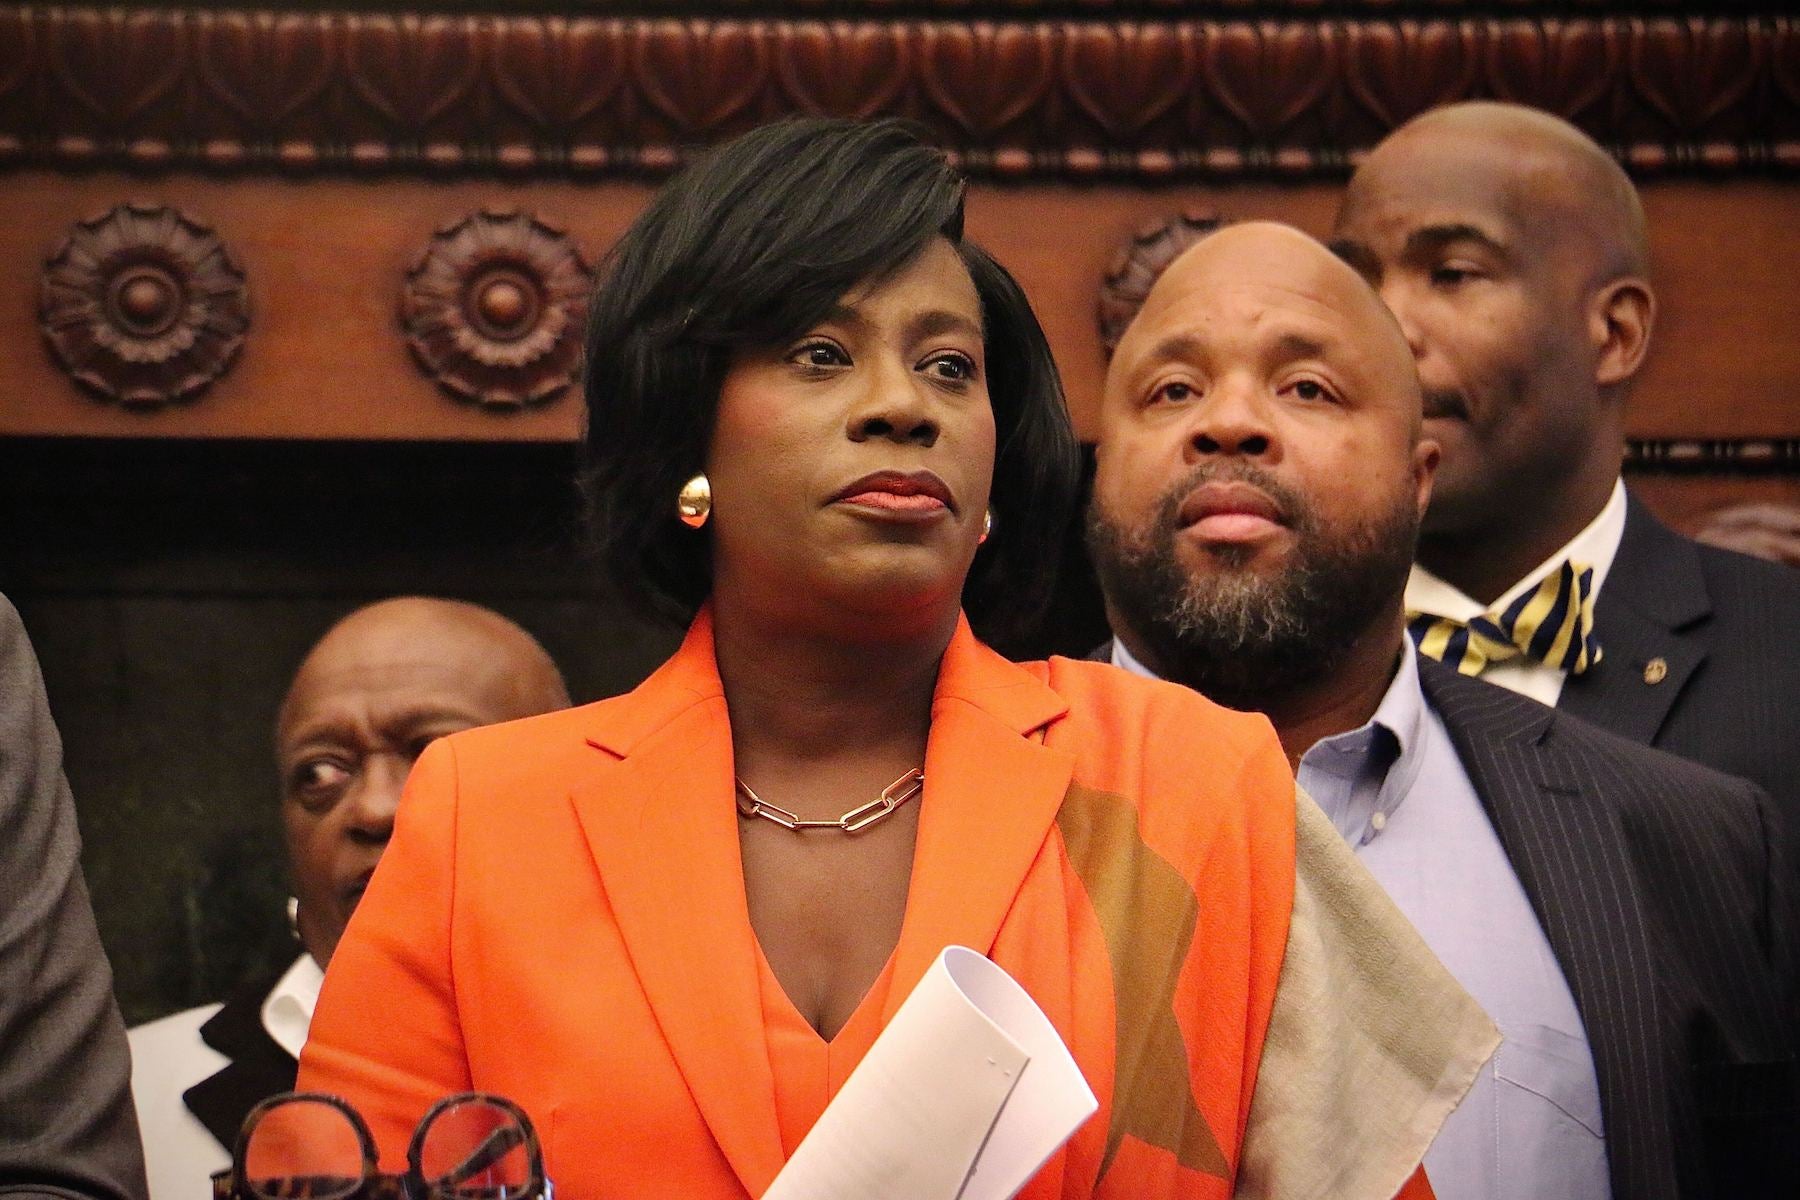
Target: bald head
[1536, 164]
[382, 684]
[1259, 273]
[498, 668]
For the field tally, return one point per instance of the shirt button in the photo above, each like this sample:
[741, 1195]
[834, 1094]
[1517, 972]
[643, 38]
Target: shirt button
[1378, 822]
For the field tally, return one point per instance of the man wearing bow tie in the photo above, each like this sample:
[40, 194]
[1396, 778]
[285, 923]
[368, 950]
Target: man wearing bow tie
[1512, 249]
[1622, 914]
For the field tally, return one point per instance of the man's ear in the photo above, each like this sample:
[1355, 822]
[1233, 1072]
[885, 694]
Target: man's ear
[1620, 317]
[1426, 454]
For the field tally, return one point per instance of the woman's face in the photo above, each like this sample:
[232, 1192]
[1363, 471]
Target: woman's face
[850, 466]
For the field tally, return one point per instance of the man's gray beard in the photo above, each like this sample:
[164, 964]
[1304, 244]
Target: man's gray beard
[1237, 637]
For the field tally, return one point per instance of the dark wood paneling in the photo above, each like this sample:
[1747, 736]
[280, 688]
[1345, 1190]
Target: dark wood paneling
[1686, 501]
[325, 355]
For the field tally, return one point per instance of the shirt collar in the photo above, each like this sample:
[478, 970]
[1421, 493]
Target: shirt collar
[1595, 546]
[1402, 708]
[1121, 657]
[1399, 720]
[1388, 750]
[1391, 742]
[287, 1011]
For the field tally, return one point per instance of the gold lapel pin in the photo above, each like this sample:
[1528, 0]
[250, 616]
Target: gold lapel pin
[1656, 670]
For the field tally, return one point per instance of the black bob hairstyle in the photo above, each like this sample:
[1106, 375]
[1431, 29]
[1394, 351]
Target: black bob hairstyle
[750, 246]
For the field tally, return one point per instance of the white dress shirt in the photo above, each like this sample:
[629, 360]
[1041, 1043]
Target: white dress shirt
[1596, 547]
[168, 1057]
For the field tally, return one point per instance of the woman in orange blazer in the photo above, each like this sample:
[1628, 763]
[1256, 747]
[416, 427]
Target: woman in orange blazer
[819, 423]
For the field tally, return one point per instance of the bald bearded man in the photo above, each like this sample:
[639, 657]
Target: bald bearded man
[1513, 251]
[369, 697]
[1260, 479]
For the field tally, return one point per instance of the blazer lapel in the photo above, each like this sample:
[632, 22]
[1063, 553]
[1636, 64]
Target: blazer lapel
[663, 834]
[1570, 854]
[223, 1099]
[1654, 595]
[992, 791]
[259, 1067]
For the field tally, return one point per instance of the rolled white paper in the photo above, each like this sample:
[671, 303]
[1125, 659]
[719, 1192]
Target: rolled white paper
[964, 1096]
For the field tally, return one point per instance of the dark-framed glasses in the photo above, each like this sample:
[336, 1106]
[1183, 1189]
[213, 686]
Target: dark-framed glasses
[310, 1146]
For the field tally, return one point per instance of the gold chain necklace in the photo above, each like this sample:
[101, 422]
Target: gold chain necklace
[749, 804]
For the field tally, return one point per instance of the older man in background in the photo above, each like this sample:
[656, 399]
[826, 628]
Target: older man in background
[370, 696]
[66, 1125]
[1620, 913]
[1513, 251]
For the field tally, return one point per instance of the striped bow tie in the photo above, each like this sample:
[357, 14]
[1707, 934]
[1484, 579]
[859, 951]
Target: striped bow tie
[1552, 624]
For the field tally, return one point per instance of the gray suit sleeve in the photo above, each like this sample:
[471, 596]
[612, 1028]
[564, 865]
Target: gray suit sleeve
[67, 1128]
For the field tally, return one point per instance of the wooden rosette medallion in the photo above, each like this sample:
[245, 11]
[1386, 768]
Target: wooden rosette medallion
[494, 309]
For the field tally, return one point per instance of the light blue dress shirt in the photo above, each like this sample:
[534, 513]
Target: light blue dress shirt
[1530, 1127]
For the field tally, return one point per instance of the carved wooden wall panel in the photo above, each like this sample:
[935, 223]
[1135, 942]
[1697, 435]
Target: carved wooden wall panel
[1152, 92]
[1139, 263]
[143, 305]
[328, 355]
[1093, 115]
[336, 344]
[494, 309]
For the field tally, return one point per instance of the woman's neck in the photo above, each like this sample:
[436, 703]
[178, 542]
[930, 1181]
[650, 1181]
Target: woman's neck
[807, 695]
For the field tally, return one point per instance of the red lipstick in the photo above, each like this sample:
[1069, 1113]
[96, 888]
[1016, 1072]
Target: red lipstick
[917, 493]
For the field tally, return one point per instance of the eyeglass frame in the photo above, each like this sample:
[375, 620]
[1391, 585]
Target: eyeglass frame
[376, 1184]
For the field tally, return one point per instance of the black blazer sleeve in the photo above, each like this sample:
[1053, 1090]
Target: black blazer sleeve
[67, 1128]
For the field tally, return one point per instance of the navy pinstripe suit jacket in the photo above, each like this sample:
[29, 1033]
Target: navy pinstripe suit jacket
[1665, 890]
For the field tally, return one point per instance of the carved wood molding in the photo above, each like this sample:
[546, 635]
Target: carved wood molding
[143, 305]
[1162, 98]
[495, 307]
[1011, 8]
[1735, 456]
[1137, 267]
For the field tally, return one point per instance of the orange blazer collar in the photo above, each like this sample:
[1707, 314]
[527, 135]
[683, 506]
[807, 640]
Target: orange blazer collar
[970, 672]
[689, 677]
[661, 826]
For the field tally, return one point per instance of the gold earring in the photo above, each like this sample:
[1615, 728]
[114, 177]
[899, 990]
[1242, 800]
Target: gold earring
[987, 526]
[693, 504]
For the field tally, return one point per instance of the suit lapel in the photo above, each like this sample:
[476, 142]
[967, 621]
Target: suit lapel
[1654, 595]
[223, 1099]
[663, 833]
[259, 1067]
[1569, 851]
[991, 796]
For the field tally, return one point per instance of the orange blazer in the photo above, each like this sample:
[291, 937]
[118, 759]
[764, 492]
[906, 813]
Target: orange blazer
[561, 919]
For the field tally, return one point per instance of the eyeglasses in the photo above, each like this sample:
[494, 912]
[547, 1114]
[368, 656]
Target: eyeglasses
[310, 1146]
